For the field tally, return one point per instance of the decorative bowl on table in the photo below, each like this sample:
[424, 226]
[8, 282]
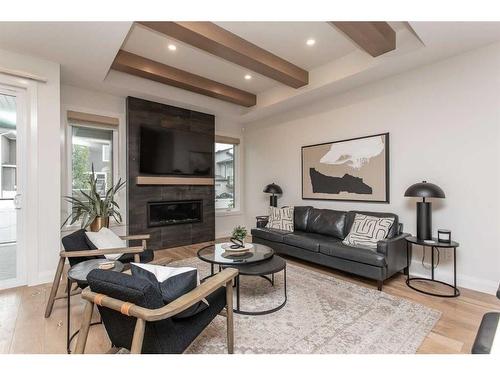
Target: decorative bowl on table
[231, 248]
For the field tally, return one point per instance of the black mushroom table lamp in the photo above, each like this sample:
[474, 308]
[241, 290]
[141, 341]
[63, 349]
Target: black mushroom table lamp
[424, 190]
[273, 189]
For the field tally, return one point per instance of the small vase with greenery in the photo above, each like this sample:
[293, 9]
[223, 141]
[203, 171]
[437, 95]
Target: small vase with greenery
[92, 209]
[239, 233]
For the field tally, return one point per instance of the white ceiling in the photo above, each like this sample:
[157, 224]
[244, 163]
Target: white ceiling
[86, 50]
[288, 40]
[153, 45]
[284, 39]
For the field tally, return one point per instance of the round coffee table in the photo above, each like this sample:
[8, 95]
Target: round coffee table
[259, 261]
[78, 273]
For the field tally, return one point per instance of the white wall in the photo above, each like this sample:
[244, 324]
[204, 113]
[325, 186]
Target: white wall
[444, 126]
[43, 207]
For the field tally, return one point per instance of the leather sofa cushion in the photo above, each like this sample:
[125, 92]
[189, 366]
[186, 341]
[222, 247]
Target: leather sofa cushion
[355, 254]
[329, 222]
[270, 234]
[307, 241]
[301, 215]
[393, 231]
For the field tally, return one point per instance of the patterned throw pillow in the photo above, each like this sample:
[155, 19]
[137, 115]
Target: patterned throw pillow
[280, 218]
[366, 231]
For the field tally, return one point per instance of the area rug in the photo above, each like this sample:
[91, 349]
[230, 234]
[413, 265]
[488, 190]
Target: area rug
[322, 315]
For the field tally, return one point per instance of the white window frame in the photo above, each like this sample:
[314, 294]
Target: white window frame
[68, 152]
[236, 210]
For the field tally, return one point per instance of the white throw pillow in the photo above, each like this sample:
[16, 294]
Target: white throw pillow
[366, 231]
[162, 273]
[107, 239]
[280, 218]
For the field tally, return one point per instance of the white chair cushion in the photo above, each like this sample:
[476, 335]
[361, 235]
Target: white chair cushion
[107, 239]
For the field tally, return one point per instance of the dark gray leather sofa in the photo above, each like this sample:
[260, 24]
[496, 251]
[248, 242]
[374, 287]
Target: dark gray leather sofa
[318, 235]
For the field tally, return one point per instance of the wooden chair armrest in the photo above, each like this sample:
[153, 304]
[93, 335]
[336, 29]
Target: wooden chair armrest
[90, 253]
[175, 307]
[136, 237]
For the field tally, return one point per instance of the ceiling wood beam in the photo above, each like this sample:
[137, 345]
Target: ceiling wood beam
[213, 39]
[376, 38]
[140, 66]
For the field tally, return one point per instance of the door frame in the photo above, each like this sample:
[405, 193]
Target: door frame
[25, 91]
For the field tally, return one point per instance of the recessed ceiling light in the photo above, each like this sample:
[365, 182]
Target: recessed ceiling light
[310, 42]
[172, 47]
[248, 76]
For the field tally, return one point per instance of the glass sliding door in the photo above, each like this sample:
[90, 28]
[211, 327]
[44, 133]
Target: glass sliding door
[11, 259]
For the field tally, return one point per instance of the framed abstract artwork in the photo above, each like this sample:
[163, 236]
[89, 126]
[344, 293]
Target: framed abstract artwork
[349, 170]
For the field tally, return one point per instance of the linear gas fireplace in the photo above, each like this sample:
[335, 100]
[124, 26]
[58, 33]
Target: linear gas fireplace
[174, 212]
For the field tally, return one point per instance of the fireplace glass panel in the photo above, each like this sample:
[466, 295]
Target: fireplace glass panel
[172, 213]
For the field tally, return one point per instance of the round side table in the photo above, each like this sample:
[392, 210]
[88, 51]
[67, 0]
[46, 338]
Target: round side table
[434, 244]
[78, 273]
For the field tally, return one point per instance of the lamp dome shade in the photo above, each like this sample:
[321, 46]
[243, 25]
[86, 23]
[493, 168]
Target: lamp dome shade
[273, 189]
[424, 189]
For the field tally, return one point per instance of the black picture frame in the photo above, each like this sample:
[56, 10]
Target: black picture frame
[387, 170]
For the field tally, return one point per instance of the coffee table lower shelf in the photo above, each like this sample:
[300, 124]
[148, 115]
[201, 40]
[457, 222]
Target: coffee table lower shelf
[265, 269]
[238, 310]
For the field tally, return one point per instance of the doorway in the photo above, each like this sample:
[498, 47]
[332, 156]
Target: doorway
[12, 252]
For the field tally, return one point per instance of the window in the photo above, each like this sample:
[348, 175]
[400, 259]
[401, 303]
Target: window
[91, 146]
[90, 140]
[225, 192]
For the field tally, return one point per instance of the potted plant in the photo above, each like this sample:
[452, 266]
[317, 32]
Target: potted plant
[92, 209]
[239, 233]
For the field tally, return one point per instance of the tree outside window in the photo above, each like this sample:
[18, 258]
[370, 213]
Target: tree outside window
[91, 146]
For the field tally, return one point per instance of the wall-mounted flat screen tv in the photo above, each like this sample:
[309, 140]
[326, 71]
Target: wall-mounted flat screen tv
[174, 152]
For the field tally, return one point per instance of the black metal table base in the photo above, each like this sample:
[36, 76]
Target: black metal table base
[77, 332]
[238, 310]
[78, 273]
[456, 291]
[69, 336]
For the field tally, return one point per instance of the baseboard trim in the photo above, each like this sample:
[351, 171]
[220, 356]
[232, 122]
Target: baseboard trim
[464, 281]
[43, 278]
[221, 236]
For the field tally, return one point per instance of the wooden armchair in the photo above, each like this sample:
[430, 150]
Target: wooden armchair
[142, 323]
[78, 250]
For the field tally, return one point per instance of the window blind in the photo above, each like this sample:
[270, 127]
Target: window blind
[227, 140]
[91, 119]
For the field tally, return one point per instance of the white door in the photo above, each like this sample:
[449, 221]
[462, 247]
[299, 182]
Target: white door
[12, 171]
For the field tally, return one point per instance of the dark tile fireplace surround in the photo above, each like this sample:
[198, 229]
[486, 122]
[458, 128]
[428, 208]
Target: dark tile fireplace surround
[182, 214]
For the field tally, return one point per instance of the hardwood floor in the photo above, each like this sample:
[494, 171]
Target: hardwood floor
[23, 328]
